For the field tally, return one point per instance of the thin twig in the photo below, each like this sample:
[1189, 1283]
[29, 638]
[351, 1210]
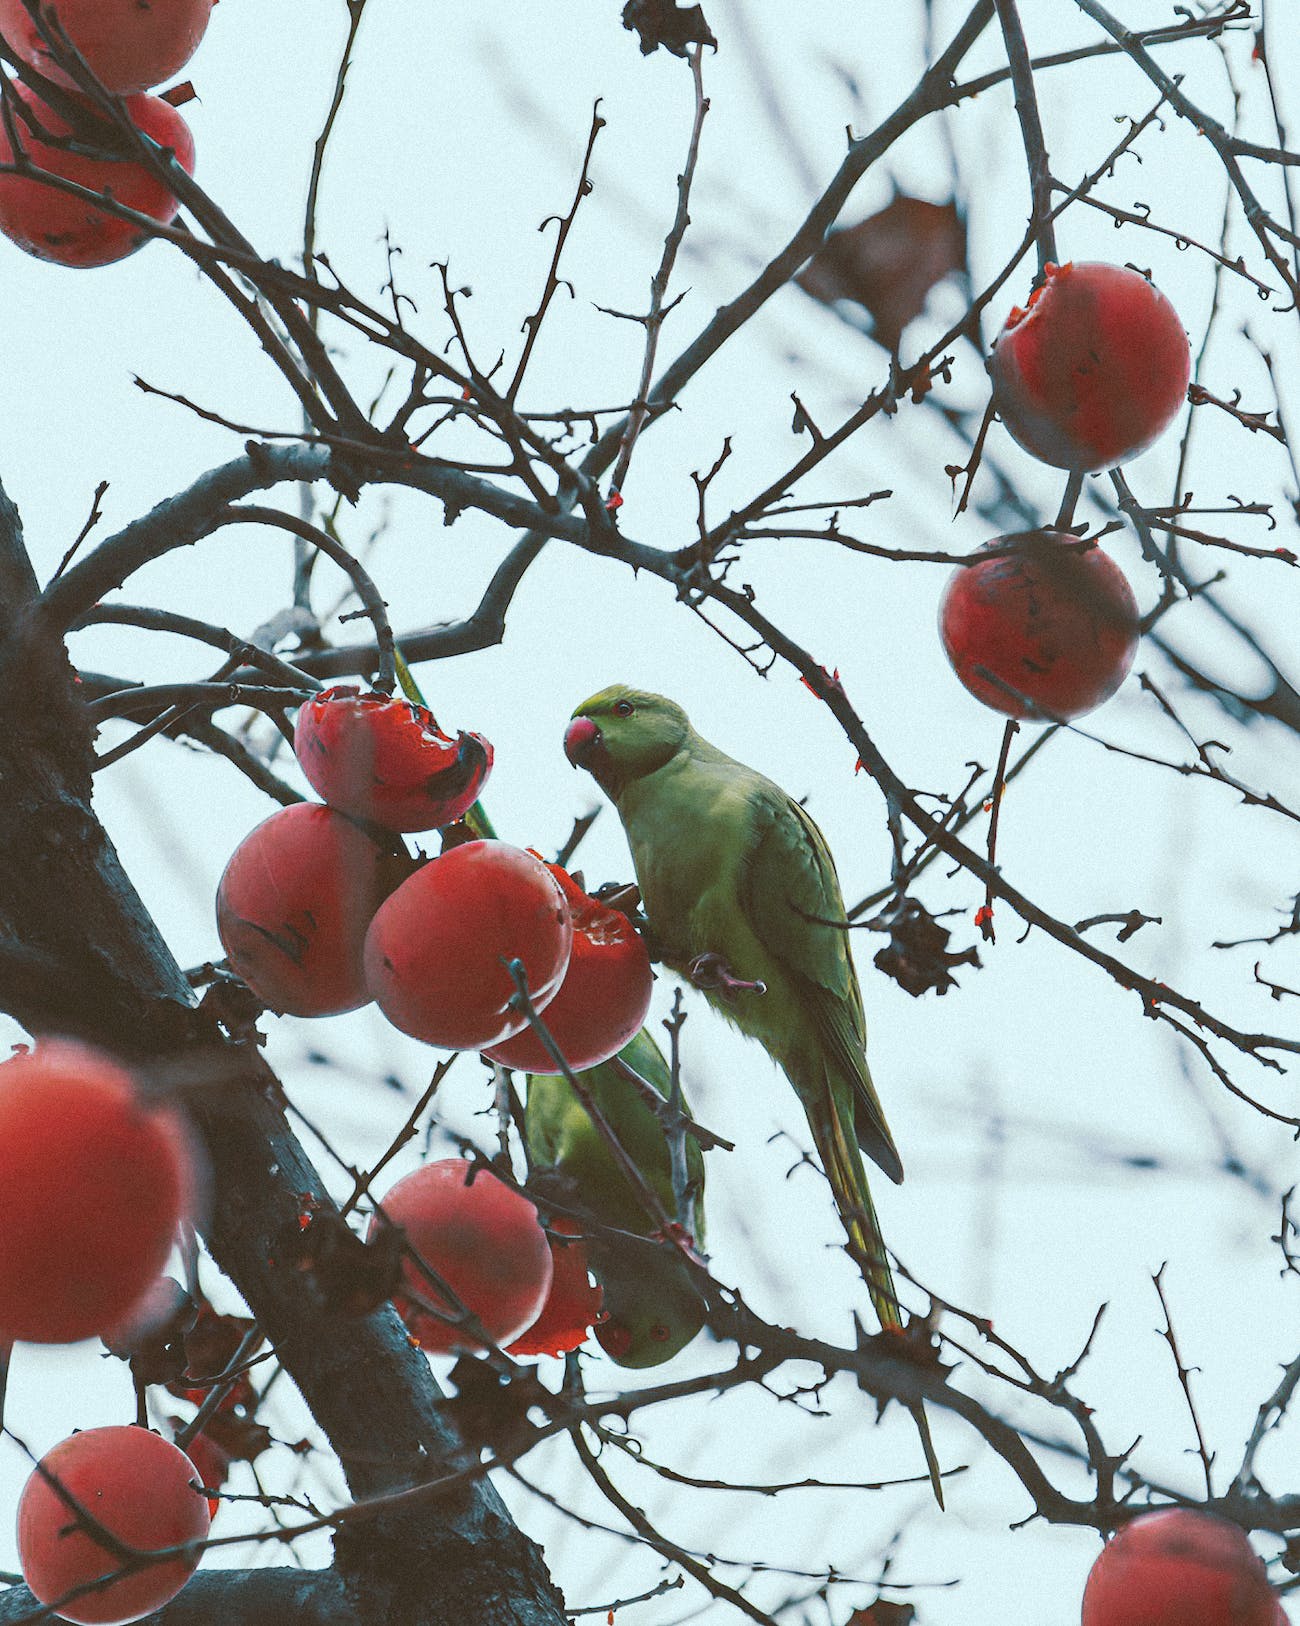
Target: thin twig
[1185, 1383]
[654, 317]
[1031, 133]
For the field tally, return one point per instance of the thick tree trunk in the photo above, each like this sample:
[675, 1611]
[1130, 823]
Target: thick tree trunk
[80, 954]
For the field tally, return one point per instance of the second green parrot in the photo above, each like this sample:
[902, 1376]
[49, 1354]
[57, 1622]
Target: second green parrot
[652, 1307]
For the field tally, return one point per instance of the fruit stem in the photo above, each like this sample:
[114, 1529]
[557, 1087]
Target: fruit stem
[1073, 487]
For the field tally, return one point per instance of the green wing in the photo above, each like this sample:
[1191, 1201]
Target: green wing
[791, 897]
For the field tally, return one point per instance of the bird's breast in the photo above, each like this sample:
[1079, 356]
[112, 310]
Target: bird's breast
[688, 847]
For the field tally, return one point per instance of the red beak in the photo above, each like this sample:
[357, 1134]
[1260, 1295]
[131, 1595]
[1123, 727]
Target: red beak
[580, 739]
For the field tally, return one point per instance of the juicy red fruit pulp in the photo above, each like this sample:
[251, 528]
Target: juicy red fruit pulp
[604, 997]
[1094, 371]
[60, 226]
[386, 760]
[1045, 627]
[573, 1305]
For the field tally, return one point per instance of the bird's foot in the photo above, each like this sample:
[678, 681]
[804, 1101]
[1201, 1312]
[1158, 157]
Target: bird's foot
[712, 973]
[681, 1239]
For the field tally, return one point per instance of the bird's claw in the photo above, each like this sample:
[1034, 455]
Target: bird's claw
[711, 973]
[681, 1239]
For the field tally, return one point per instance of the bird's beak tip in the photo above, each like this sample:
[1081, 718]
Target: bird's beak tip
[580, 739]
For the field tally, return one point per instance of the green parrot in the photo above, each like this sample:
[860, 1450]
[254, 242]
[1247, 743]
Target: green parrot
[653, 1309]
[741, 896]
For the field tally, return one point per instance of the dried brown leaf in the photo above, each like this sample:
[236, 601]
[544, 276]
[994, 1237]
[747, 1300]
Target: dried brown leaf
[889, 263]
[663, 22]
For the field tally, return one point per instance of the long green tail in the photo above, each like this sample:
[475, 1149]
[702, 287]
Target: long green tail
[842, 1162]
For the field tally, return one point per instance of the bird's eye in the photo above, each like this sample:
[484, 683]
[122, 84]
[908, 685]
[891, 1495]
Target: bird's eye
[660, 1333]
[623, 708]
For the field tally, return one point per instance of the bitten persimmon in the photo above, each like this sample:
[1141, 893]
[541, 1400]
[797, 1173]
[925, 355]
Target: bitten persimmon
[483, 1239]
[211, 1467]
[128, 45]
[1179, 1567]
[437, 950]
[57, 225]
[603, 999]
[139, 1488]
[294, 905]
[1094, 370]
[573, 1305]
[1045, 626]
[95, 1181]
[385, 759]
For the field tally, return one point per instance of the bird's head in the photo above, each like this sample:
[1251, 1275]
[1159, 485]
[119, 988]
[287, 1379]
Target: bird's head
[652, 1308]
[622, 734]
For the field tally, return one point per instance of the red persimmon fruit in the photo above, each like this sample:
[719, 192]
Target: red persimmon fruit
[1179, 1567]
[603, 999]
[138, 1487]
[1045, 626]
[294, 905]
[60, 226]
[483, 1239]
[95, 1181]
[385, 759]
[437, 951]
[1094, 371]
[128, 45]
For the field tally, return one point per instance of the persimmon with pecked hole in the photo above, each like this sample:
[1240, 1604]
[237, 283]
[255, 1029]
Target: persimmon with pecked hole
[603, 999]
[1046, 626]
[96, 1180]
[438, 951]
[381, 758]
[295, 903]
[483, 1239]
[55, 224]
[1179, 1567]
[573, 1305]
[212, 1467]
[128, 45]
[137, 1487]
[1094, 370]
